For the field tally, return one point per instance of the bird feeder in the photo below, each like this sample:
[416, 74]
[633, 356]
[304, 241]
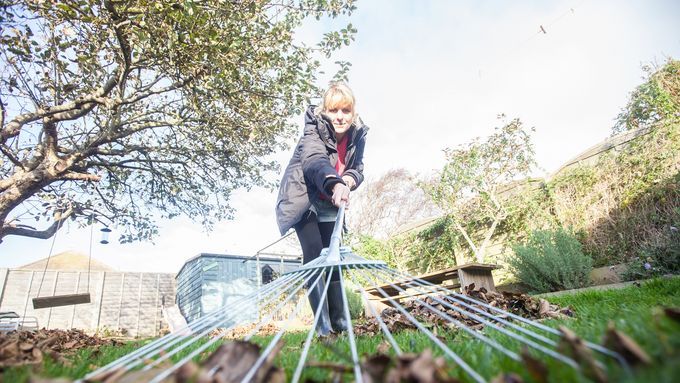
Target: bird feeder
[105, 235]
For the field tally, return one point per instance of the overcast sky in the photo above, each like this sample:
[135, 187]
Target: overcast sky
[435, 74]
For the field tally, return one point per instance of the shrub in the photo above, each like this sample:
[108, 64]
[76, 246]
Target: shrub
[356, 306]
[551, 260]
[658, 260]
[372, 248]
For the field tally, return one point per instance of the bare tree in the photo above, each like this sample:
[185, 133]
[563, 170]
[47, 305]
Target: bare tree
[387, 204]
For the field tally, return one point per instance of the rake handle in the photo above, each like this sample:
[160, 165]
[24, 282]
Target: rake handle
[334, 246]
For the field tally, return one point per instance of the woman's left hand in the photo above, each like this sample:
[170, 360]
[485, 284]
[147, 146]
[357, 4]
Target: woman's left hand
[340, 193]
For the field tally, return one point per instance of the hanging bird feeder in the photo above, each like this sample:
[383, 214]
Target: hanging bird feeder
[105, 235]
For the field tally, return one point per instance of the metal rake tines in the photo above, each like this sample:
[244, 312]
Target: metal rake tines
[171, 344]
[435, 300]
[525, 332]
[479, 306]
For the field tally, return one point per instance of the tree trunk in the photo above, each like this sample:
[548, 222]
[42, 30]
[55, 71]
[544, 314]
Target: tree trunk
[489, 234]
[21, 186]
[462, 230]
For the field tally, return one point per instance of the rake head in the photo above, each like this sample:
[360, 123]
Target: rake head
[450, 307]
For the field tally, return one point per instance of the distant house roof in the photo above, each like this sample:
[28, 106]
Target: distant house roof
[70, 261]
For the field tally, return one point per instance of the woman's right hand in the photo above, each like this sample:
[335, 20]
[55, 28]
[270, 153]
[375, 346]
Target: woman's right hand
[340, 193]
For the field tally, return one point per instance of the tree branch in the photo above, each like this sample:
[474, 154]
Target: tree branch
[174, 86]
[40, 234]
[6, 151]
[118, 27]
[75, 176]
[3, 113]
[464, 232]
[51, 138]
[67, 111]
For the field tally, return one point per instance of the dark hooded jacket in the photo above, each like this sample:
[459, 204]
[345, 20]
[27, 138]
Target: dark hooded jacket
[314, 159]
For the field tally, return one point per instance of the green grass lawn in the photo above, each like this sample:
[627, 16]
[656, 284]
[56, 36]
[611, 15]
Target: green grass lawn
[634, 310]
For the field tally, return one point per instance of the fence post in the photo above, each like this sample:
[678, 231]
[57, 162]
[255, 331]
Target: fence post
[73, 312]
[120, 301]
[156, 326]
[139, 301]
[54, 290]
[101, 301]
[28, 295]
[3, 278]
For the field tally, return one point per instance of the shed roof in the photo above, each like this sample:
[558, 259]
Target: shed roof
[243, 258]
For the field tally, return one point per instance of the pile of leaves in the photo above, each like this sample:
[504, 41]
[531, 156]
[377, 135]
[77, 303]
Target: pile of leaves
[422, 309]
[29, 347]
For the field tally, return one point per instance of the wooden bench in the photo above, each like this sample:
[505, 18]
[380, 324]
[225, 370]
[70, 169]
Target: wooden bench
[451, 278]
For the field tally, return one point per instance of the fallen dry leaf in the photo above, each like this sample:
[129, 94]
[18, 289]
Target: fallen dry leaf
[384, 347]
[419, 368]
[625, 345]
[574, 346]
[242, 331]
[507, 378]
[672, 313]
[375, 367]
[536, 368]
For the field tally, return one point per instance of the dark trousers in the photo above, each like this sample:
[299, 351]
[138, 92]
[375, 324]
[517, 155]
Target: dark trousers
[314, 236]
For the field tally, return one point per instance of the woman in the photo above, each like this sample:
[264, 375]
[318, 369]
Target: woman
[326, 165]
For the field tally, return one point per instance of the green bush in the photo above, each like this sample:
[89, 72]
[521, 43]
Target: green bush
[655, 261]
[551, 260]
[356, 306]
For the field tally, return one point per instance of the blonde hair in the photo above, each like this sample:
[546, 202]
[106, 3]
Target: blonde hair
[338, 94]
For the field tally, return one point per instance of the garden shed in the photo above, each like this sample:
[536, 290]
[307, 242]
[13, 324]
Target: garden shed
[207, 281]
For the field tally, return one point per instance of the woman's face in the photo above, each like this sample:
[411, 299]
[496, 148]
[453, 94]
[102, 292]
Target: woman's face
[341, 115]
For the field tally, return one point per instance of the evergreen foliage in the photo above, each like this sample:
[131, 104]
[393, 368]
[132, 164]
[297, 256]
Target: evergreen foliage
[551, 260]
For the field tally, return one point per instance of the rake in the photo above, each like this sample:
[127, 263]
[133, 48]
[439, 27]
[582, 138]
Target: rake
[196, 337]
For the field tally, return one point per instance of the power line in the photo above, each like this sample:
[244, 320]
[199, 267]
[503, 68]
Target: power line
[541, 29]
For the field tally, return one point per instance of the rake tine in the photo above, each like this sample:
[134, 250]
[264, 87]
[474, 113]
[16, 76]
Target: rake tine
[511, 334]
[310, 334]
[465, 328]
[603, 350]
[171, 339]
[450, 295]
[167, 372]
[200, 349]
[273, 342]
[303, 278]
[456, 358]
[350, 330]
[375, 314]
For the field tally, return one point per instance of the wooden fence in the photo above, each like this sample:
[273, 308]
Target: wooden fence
[125, 303]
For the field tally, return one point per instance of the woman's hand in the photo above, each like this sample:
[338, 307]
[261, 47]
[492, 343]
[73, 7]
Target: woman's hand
[340, 193]
[349, 181]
